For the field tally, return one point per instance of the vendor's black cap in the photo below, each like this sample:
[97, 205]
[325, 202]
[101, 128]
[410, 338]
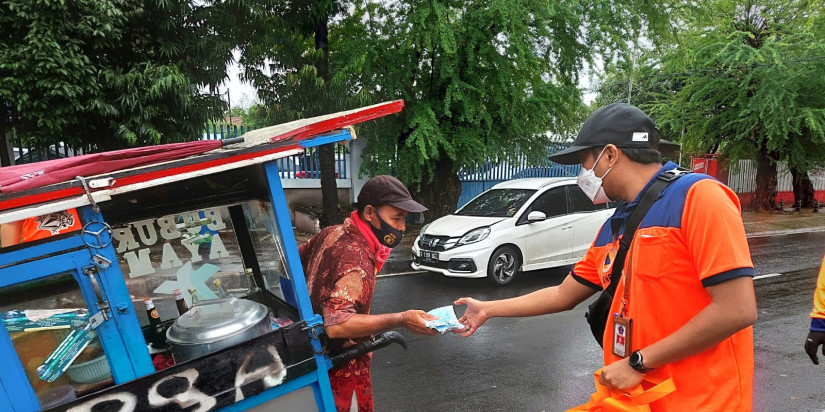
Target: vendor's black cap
[387, 190]
[621, 124]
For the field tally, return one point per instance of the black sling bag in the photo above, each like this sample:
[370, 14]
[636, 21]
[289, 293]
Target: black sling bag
[599, 311]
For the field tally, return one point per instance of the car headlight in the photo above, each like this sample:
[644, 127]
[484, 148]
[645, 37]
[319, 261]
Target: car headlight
[473, 236]
[424, 229]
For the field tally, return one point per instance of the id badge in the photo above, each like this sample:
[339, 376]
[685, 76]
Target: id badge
[621, 335]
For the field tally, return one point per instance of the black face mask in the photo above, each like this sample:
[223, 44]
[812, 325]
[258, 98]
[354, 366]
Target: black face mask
[387, 235]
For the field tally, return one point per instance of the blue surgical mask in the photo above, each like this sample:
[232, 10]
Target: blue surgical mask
[386, 234]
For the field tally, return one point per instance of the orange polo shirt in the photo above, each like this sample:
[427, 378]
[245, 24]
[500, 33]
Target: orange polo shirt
[691, 238]
[41, 227]
[818, 314]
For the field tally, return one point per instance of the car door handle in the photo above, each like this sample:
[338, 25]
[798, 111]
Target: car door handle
[567, 227]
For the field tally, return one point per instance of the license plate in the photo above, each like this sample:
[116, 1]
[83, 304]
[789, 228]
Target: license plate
[429, 256]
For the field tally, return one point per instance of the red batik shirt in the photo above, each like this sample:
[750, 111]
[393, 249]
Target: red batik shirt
[340, 267]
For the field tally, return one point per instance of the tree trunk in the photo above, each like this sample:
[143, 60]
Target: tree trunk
[326, 153]
[765, 181]
[441, 195]
[6, 149]
[803, 189]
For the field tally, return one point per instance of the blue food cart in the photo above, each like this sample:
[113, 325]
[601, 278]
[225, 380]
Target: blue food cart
[204, 222]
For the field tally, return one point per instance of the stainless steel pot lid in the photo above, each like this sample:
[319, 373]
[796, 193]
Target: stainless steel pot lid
[213, 320]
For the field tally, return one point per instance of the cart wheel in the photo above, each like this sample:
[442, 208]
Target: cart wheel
[503, 265]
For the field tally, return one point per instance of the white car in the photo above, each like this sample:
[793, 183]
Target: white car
[518, 225]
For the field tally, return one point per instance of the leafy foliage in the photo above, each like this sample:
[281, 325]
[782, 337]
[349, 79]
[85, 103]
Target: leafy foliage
[748, 87]
[114, 73]
[481, 79]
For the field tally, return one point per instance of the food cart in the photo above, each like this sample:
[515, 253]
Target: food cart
[158, 222]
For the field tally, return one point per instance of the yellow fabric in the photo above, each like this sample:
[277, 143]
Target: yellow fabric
[637, 399]
[819, 295]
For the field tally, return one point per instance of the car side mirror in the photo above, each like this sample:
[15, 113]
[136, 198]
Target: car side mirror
[536, 216]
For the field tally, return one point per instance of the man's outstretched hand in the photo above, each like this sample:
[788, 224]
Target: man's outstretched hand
[812, 345]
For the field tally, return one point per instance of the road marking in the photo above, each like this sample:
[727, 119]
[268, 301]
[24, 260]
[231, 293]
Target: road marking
[389, 275]
[770, 275]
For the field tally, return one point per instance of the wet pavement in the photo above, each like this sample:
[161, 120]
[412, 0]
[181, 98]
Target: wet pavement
[546, 363]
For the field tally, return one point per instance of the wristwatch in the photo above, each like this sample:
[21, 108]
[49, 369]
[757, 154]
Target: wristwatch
[637, 363]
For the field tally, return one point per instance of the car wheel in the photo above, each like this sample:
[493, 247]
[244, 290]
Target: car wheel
[504, 263]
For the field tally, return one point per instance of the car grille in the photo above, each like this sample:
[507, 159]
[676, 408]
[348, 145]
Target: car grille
[433, 242]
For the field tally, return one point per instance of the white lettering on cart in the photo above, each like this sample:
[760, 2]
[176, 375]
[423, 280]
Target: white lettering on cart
[132, 241]
[272, 374]
[127, 400]
[218, 250]
[140, 264]
[168, 230]
[146, 231]
[169, 259]
[192, 396]
[189, 397]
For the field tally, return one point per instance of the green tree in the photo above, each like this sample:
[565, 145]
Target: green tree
[114, 73]
[750, 78]
[481, 79]
[299, 62]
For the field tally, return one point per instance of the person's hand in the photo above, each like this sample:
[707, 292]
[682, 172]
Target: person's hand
[474, 316]
[812, 344]
[620, 376]
[416, 322]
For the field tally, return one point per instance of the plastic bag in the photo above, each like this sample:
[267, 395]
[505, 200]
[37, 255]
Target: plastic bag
[635, 400]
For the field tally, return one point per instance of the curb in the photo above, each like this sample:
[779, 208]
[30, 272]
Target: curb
[786, 232]
[395, 266]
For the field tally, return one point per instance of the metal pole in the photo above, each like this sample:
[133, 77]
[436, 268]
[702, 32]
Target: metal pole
[630, 83]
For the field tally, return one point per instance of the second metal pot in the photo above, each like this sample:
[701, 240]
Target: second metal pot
[216, 324]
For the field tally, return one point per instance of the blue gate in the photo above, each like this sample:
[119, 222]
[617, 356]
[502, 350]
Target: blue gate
[477, 180]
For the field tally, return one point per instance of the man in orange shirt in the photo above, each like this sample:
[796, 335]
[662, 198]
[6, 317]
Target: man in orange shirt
[686, 295]
[816, 336]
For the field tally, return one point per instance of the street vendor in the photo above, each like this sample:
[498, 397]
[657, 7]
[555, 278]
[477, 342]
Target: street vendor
[341, 263]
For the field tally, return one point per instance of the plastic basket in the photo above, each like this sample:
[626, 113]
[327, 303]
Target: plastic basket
[94, 370]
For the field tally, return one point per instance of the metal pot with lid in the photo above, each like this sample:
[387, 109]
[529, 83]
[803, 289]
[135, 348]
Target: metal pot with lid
[216, 324]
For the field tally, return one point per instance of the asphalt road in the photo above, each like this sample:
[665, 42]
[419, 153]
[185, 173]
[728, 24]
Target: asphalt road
[546, 363]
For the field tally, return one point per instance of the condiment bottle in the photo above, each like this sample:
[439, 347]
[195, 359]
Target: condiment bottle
[180, 302]
[221, 290]
[250, 280]
[152, 313]
[196, 297]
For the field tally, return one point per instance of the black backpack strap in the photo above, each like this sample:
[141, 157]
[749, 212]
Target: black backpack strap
[650, 196]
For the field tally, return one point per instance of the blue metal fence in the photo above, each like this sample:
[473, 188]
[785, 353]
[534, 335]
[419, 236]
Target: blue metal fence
[223, 131]
[300, 166]
[476, 180]
[307, 166]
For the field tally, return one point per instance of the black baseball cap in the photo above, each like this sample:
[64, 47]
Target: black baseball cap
[621, 124]
[387, 190]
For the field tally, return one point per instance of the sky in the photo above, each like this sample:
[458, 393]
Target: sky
[241, 94]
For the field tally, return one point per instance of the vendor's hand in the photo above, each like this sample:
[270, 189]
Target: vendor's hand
[416, 322]
[812, 344]
[474, 316]
[620, 376]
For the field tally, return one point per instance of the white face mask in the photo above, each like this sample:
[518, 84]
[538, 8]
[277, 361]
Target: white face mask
[592, 185]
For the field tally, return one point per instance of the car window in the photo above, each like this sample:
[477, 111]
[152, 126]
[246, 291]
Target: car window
[582, 203]
[552, 202]
[497, 203]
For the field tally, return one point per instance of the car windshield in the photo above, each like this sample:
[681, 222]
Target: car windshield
[496, 203]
